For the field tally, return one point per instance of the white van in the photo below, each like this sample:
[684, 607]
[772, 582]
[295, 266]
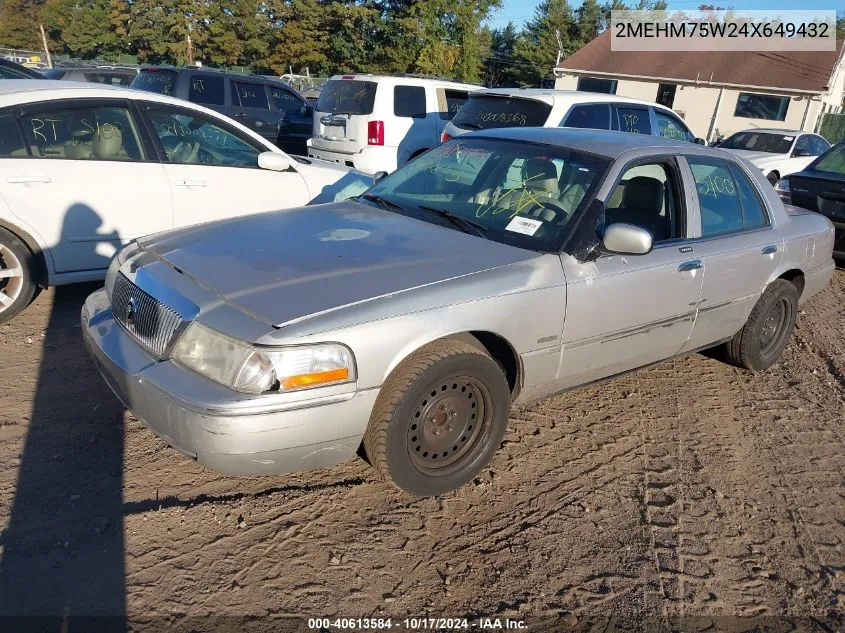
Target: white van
[531, 107]
[378, 123]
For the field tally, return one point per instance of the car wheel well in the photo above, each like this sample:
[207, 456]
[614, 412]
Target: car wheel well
[796, 277]
[501, 351]
[40, 270]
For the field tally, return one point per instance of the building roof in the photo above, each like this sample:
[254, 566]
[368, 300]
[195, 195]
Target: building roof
[807, 71]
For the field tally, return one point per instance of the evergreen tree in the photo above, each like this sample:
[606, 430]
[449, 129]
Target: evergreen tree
[537, 48]
[589, 16]
[501, 67]
[80, 30]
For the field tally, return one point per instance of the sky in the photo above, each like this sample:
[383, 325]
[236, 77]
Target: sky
[519, 11]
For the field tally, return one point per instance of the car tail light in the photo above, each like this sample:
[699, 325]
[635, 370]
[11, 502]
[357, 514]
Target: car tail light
[445, 136]
[375, 132]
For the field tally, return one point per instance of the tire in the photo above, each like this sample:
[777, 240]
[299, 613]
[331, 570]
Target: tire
[429, 444]
[18, 288]
[759, 344]
[773, 177]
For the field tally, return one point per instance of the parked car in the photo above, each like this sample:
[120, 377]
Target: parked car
[378, 123]
[519, 107]
[821, 187]
[494, 270]
[85, 169]
[11, 70]
[110, 75]
[777, 153]
[267, 106]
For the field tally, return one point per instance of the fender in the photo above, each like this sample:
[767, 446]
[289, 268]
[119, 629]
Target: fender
[41, 259]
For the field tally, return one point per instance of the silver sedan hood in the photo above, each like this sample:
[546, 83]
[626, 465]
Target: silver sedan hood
[287, 265]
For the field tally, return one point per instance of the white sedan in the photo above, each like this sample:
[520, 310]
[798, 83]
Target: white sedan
[777, 153]
[85, 169]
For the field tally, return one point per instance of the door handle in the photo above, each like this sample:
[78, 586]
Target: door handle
[28, 179]
[771, 249]
[189, 182]
[693, 264]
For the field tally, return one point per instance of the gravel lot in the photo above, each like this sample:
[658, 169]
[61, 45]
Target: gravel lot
[672, 498]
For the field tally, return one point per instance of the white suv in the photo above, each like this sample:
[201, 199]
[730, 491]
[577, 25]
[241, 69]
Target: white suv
[519, 107]
[378, 123]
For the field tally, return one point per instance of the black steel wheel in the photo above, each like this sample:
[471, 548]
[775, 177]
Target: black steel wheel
[439, 418]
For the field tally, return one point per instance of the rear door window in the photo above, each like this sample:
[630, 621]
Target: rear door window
[347, 96]
[450, 102]
[156, 80]
[484, 112]
[594, 116]
[726, 198]
[251, 95]
[632, 120]
[409, 101]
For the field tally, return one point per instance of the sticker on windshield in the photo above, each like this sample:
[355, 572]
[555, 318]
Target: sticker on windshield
[526, 226]
[788, 138]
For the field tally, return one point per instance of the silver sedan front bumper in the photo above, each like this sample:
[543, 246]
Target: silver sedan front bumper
[225, 431]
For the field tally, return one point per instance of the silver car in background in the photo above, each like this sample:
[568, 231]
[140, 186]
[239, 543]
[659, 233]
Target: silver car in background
[493, 271]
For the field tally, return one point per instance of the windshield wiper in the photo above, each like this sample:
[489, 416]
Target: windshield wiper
[459, 221]
[383, 202]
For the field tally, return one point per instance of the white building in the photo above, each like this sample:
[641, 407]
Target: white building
[717, 92]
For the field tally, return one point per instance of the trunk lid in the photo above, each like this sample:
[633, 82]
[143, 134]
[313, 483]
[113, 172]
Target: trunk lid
[342, 114]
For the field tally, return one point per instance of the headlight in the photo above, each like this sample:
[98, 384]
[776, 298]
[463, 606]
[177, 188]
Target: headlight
[256, 370]
[117, 261]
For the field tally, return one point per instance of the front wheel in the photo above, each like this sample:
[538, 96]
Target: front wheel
[439, 418]
[759, 344]
[17, 285]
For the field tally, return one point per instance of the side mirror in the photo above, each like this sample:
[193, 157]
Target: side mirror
[627, 239]
[273, 161]
[378, 176]
[700, 141]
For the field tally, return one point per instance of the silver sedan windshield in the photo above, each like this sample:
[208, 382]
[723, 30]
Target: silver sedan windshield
[524, 194]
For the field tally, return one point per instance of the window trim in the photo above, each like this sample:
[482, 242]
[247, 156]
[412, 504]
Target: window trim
[754, 184]
[146, 145]
[425, 102]
[144, 107]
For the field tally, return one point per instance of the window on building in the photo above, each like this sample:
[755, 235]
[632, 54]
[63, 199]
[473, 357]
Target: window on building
[666, 94]
[769, 107]
[594, 84]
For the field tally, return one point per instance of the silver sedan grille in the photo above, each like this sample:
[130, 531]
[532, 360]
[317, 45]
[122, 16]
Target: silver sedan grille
[143, 316]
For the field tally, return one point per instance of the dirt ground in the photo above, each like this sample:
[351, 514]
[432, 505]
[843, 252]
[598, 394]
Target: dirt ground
[679, 497]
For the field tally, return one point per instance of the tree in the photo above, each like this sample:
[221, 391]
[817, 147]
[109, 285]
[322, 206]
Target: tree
[589, 16]
[80, 30]
[501, 67]
[19, 24]
[537, 48]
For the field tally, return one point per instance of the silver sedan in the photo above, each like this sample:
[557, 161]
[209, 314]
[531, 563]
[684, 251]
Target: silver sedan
[495, 270]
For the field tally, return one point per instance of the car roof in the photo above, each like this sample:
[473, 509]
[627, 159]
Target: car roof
[773, 130]
[604, 143]
[404, 79]
[553, 97]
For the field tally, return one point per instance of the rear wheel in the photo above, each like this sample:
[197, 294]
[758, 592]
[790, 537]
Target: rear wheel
[17, 283]
[759, 344]
[439, 418]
